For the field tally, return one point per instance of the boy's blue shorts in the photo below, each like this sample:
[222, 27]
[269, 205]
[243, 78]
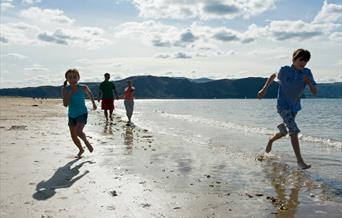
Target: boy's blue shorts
[289, 120]
[80, 119]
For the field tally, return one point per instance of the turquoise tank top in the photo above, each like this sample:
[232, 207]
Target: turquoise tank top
[77, 105]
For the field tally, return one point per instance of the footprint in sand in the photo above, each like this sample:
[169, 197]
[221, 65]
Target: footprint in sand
[22, 127]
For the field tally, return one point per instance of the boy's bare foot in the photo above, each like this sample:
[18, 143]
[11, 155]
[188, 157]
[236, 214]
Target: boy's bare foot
[303, 166]
[79, 155]
[269, 146]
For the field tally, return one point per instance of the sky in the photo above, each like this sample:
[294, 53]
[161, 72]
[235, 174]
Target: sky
[227, 39]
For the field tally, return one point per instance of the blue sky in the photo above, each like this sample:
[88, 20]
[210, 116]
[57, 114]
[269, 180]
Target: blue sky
[41, 39]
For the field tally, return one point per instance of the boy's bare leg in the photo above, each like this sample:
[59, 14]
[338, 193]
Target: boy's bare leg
[111, 115]
[106, 115]
[271, 140]
[81, 134]
[296, 149]
[73, 133]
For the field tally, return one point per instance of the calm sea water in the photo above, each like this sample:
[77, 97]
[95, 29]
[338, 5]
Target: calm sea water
[320, 120]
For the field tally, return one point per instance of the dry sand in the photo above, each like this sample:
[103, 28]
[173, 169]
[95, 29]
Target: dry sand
[123, 177]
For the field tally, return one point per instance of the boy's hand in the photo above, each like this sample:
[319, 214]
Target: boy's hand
[306, 80]
[94, 107]
[261, 93]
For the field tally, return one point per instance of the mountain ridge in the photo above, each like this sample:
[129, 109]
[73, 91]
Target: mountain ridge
[163, 87]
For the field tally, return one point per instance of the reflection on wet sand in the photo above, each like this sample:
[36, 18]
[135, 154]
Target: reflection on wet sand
[108, 129]
[128, 139]
[286, 184]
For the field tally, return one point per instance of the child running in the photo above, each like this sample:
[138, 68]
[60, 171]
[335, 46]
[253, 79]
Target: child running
[74, 99]
[129, 101]
[292, 82]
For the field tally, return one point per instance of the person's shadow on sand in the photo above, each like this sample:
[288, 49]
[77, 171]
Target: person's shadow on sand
[64, 177]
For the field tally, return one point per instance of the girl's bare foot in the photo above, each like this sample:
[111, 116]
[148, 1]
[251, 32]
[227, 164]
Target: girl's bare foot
[303, 166]
[90, 148]
[79, 155]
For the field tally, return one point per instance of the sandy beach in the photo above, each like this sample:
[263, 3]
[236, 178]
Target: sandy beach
[134, 172]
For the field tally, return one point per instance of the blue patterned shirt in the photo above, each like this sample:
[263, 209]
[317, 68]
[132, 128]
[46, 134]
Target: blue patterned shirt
[291, 87]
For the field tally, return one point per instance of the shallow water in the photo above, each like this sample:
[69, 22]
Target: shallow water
[216, 142]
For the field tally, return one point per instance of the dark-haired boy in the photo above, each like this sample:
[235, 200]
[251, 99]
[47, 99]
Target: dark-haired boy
[106, 95]
[292, 82]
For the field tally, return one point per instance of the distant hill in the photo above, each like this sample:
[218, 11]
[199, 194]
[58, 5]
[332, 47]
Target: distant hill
[168, 87]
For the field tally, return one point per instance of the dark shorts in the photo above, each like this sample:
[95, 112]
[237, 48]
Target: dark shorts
[107, 104]
[80, 119]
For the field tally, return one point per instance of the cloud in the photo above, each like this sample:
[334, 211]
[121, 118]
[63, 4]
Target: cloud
[30, 2]
[19, 33]
[225, 36]
[188, 55]
[202, 9]
[329, 13]
[288, 30]
[182, 55]
[3, 39]
[36, 68]
[57, 37]
[219, 8]
[85, 37]
[60, 30]
[336, 36]
[176, 55]
[46, 15]
[6, 5]
[163, 56]
[14, 56]
[196, 36]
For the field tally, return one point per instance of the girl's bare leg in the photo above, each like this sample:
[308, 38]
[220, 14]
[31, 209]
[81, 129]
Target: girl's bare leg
[82, 135]
[73, 133]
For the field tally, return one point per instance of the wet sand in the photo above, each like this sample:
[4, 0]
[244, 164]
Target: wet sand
[136, 173]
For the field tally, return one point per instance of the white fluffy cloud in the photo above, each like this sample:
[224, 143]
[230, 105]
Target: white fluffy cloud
[329, 13]
[15, 56]
[6, 5]
[202, 9]
[19, 33]
[31, 2]
[46, 15]
[90, 37]
[37, 69]
[47, 26]
[196, 36]
[285, 30]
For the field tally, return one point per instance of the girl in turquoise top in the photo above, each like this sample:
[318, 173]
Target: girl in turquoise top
[74, 99]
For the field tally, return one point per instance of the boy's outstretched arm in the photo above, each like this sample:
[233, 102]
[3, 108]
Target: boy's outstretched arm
[90, 95]
[313, 89]
[263, 91]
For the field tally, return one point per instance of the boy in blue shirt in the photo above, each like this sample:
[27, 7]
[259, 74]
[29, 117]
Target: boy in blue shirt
[292, 82]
